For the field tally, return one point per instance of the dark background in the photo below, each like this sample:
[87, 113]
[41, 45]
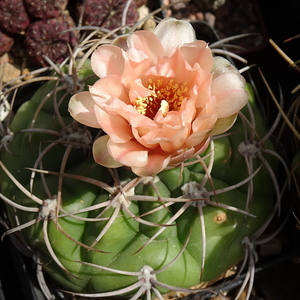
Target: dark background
[282, 21]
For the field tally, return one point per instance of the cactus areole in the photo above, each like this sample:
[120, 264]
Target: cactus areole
[102, 232]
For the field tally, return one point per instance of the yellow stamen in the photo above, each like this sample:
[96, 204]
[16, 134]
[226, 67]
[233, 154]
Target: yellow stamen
[166, 96]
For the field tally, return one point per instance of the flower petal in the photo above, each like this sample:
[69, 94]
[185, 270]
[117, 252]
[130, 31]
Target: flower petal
[115, 126]
[181, 157]
[221, 66]
[156, 163]
[197, 138]
[130, 154]
[174, 33]
[228, 88]
[82, 109]
[146, 42]
[203, 86]
[121, 41]
[198, 53]
[223, 124]
[102, 155]
[205, 122]
[175, 139]
[145, 139]
[108, 60]
[107, 89]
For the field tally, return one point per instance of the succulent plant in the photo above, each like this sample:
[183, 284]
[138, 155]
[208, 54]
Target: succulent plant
[107, 14]
[13, 16]
[44, 24]
[6, 42]
[45, 9]
[105, 232]
[50, 38]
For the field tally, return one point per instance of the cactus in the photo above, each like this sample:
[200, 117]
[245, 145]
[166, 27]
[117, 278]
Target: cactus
[46, 9]
[49, 26]
[105, 232]
[14, 17]
[49, 38]
[6, 42]
[106, 14]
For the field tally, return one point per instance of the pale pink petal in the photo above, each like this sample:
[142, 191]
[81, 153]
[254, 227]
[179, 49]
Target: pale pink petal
[138, 90]
[203, 86]
[210, 108]
[105, 90]
[169, 138]
[198, 54]
[146, 139]
[130, 154]
[202, 147]
[82, 109]
[153, 138]
[156, 163]
[204, 122]
[146, 42]
[121, 41]
[197, 138]
[188, 110]
[174, 119]
[143, 123]
[108, 60]
[101, 153]
[170, 129]
[175, 141]
[174, 33]
[115, 126]
[230, 93]
[223, 124]
[136, 55]
[156, 136]
[174, 66]
[221, 66]
[134, 70]
[178, 158]
[160, 70]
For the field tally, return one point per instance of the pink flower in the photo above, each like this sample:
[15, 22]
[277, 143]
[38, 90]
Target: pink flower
[160, 98]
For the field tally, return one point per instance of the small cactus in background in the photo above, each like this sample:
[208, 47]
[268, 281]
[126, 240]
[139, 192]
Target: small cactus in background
[6, 42]
[115, 230]
[43, 24]
[13, 16]
[106, 14]
[46, 28]
[45, 9]
[50, 38]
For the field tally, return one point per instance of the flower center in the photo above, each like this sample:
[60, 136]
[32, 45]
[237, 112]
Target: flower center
[165, 97]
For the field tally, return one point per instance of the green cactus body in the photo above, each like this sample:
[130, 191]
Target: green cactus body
[186, 225]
